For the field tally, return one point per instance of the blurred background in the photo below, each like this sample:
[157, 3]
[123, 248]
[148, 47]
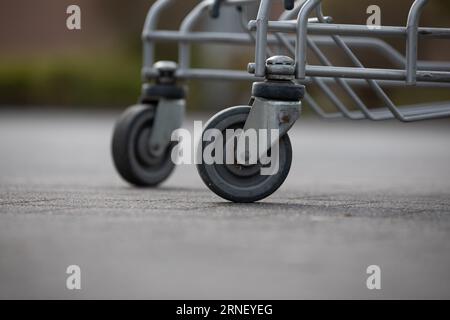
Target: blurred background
[42, 63]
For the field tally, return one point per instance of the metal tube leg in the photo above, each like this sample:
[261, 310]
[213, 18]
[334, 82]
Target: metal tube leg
[411, 40]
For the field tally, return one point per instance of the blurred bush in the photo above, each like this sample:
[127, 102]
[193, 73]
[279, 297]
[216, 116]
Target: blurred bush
[107, 81]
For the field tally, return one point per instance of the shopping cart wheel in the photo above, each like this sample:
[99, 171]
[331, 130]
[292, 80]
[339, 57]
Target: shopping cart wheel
[236, 182]
[130, 148]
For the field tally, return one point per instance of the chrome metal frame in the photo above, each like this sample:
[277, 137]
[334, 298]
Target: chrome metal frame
[296, 32]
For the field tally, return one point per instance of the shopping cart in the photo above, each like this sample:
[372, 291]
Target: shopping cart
[142, 143]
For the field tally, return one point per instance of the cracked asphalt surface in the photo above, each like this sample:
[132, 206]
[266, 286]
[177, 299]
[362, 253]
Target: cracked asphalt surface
[359, 193]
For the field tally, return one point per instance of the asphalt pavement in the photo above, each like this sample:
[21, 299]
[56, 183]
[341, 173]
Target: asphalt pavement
[358, 194]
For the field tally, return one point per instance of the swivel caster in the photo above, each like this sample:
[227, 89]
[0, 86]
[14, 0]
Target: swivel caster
[241, 183]
[141, 144]
[131, 153]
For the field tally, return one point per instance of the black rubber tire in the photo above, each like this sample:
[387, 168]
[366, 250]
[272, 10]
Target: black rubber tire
[129, 149]
[242, 188]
